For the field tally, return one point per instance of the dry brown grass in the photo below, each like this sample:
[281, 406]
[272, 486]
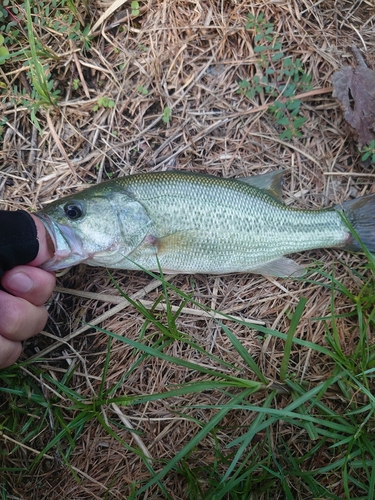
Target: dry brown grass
[196, 52]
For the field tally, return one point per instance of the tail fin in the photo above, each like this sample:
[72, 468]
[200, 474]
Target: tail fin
[361, 215]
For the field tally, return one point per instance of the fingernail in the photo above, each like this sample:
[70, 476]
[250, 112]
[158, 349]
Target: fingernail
[19, 283]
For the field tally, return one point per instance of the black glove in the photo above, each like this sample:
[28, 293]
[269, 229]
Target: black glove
[18, 239]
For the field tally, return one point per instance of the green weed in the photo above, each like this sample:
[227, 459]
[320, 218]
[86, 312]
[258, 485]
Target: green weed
[369, 152]
[43, 94]
[142, 90]
[4, 52]
[104, 102]
[282, 78]
[135, 8]
[23, 26]
[76, 83]
[3, 122]
[167, 114]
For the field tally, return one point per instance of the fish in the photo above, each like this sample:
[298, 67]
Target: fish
[186, 222]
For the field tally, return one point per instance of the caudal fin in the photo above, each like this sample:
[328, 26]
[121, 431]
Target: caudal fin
[361, 215]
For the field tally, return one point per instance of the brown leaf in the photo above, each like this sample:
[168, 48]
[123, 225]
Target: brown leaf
[357, 84]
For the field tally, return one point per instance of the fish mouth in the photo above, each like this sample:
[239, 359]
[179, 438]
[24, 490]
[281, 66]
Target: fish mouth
[68, 246]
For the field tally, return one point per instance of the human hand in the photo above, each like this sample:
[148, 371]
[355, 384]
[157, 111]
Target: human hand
[27, 288]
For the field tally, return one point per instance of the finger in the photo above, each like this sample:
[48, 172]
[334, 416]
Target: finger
[30, 283]
[19, 319]
[46, 247]
[10, 351]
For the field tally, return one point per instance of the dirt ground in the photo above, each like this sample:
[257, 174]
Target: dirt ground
[188, 57]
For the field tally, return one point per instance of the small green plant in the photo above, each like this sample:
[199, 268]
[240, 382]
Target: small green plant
[167, 113]
[248, 89]
[135, 8]
[76, 33]
[104, 102]
[76, 83]
[264, 38]
[43, 94]
[3, 121]
[282, 77]
[4, 52]
[142, 90]
[286, 114]
[369, 152]
[23, 26]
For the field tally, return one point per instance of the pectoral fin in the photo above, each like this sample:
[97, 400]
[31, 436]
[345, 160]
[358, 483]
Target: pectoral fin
[174, 243]
[281, 268]
[170, 244]
[158, 248]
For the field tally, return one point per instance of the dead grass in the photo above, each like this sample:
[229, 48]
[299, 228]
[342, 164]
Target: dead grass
[190, 56]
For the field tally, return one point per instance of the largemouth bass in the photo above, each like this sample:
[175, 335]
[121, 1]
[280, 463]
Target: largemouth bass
[194, 223]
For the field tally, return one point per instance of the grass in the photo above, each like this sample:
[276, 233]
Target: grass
[134, 391]
[291, 441]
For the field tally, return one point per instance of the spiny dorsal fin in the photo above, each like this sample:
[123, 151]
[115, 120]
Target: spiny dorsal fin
[270, 182]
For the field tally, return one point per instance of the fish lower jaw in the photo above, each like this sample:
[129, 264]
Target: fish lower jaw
[63, 259]
[112, 257]
[62, 254]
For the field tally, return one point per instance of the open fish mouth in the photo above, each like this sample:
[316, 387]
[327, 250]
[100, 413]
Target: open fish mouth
[68, 246]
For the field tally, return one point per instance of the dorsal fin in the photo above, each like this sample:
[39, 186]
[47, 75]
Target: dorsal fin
[270, 182]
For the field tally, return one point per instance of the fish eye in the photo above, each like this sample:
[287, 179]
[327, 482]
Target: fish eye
[73, 210]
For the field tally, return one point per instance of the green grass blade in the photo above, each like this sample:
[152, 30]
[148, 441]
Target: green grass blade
[193, 442]
[290, 335]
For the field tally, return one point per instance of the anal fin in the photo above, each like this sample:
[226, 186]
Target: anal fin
[281, 268]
